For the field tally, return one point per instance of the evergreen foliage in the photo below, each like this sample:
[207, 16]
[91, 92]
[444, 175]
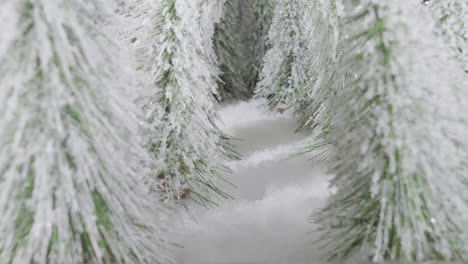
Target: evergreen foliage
[179, 106]
[452, 22]
[257, 16]
[230, 56]
[209, 15]
[284, 72]
[71, 188]
[96, 146]
[396, 152]
[316, 109]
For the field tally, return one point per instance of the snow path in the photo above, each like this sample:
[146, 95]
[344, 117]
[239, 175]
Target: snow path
[268, 220]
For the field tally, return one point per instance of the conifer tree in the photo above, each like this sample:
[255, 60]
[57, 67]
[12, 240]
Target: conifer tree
[396, 153]
[210, 12]
[315, 110]
[70, 187]
[452, 22]
[228, 45]
[284, 71]
[257, 16]
[179, 105]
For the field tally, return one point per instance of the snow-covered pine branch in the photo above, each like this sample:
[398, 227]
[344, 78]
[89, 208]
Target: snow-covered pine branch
[257, 16]
[452, 22]
[209, 14]
[284, 71]
[179, 103]
[316, 107]
[396, 156]
[228, 46]
[70, 187]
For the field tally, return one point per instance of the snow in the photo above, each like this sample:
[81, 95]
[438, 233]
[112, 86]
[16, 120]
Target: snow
[268, 221]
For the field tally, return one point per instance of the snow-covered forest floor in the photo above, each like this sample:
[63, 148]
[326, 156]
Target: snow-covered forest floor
[267, 222]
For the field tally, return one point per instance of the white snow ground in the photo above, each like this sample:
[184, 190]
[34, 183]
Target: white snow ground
[267, 222]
